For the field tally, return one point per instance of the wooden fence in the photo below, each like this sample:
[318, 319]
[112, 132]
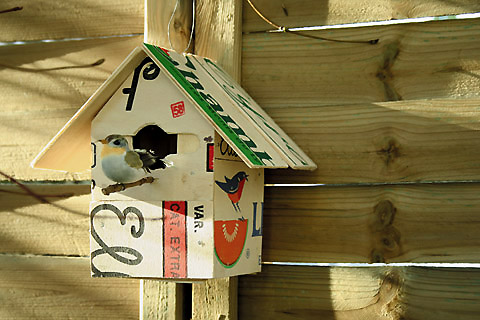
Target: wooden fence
[394, 129]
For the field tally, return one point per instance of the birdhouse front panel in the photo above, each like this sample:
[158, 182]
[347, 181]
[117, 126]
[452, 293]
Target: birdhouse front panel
[166, 239]
[161, 125]
[162, 229]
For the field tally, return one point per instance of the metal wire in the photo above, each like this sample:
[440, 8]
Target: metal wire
[284, 29]
[191, 29]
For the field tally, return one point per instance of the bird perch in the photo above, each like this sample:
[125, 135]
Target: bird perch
[123, 186]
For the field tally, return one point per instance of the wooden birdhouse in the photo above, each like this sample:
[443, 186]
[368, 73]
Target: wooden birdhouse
[177, 151]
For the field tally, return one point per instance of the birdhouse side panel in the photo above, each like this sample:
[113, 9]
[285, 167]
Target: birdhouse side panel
[239, 98]
[165, 239]
[148, 128]
[238, 198]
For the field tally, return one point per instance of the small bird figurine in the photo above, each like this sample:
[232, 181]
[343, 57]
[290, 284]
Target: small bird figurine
[122, 165]
[234, 188]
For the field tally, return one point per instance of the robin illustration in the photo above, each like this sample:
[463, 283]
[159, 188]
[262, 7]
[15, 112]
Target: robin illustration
[234, 187]
[123, 165]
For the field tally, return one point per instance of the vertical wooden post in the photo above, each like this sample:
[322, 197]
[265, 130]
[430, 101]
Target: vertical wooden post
[215, 299]
[218, 36]
[162, 299]
[157, 18]
[218, 33]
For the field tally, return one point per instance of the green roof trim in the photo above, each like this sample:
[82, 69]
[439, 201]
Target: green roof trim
[163, 58]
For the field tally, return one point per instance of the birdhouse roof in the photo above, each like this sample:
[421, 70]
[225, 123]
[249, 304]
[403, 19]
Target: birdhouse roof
[237, 118]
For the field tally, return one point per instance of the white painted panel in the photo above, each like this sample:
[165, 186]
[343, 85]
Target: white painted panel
[126, 239]
[200, 239]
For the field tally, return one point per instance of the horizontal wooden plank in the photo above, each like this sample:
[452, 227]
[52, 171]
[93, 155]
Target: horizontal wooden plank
[410, 223]
[49, 19]
[426, 140]
[60, 227]
[42, 86]
[61, 288]
[287, 292]
[439, 59]
[376, 142]
[298, 13]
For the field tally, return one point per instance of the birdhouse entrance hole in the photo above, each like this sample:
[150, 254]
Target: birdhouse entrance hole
[156, 141]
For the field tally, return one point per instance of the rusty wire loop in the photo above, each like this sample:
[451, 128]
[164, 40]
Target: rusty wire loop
[30, 192]
[301, 34]
[11, 9]
[96, 63]
[191, 28]
[25, 188]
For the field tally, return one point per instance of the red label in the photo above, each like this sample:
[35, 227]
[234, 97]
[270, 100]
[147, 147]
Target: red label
[210, 153]
[178, 109]
[229, 237]
[165, 50]
[175, 239]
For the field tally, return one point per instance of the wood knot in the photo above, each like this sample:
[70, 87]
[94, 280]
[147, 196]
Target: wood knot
[390, 152]
[385, 72]
[381, 75]
[376, 257]
[385, 237]
[385, 212]
[391, 280]
[390, 239]
[178, 25]
[390, 294]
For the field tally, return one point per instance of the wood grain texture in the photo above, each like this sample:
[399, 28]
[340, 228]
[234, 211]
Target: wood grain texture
[162, 300]
[298, 13]
[58, 228]
[42, 86]
[158, 14]
[282, 292]
[424, 140]
[410, 223]
[50, 19]
[215, 299]
[433, 140]
[218, 34]
[439, 59]
[34, 287]
[387, 293]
